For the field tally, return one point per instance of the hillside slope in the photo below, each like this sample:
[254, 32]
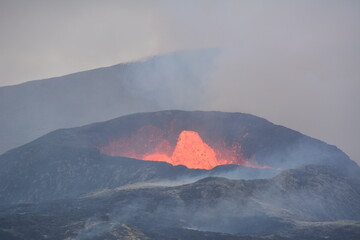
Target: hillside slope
[311, 202]
[35, 108]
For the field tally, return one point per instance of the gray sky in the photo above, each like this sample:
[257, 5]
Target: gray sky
[296, 63]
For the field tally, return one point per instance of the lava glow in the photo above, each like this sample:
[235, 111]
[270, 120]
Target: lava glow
[190, 150]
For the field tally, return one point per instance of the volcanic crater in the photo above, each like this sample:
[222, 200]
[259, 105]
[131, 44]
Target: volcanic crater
[204, 140]
[150, 143]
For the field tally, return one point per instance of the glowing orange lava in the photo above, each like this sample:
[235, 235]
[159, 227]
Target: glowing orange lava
[190, 150]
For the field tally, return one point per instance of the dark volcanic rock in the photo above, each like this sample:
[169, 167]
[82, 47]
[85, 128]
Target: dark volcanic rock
[60, 172]
[274, 208]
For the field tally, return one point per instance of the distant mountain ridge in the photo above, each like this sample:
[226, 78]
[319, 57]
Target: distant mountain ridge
[35, 108]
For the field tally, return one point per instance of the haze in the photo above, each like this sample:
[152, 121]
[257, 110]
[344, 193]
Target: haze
[296, 63]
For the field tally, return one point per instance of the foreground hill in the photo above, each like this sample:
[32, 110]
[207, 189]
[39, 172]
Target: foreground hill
[69, 162]
[311, 202]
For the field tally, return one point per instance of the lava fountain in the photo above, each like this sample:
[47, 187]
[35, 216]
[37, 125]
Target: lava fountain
[190, 150]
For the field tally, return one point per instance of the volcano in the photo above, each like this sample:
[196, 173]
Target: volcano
[157, 145]
[173, 174]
